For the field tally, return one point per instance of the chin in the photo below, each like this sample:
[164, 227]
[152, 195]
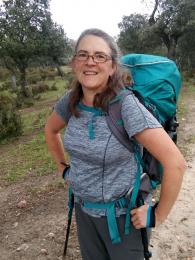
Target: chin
[91, 87]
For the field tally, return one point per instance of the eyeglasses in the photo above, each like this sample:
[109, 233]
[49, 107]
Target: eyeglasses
[98, 57]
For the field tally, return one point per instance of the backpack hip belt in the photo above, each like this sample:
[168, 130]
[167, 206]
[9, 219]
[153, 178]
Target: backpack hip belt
[110, 214]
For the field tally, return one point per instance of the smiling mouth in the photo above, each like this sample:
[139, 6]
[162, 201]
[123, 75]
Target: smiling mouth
[89, 73]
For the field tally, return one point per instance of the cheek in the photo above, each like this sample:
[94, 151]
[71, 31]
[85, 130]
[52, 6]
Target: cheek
[75, 67]
[76, 70]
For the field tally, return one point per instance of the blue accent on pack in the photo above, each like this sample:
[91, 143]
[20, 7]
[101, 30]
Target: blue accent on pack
[119, 122]
[148, 216]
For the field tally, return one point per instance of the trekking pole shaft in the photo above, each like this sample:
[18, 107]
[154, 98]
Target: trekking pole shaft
[71, 206]
[67, 236]
[144, 235]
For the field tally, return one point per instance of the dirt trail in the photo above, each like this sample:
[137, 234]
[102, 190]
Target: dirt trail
[36, 231]
[175, 239]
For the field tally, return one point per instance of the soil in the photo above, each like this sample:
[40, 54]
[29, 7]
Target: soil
[33, 214]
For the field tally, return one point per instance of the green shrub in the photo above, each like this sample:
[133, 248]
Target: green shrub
[34, 77]
[39, 88]
[4, 74]
[10, 120]
[53, 86]
[48, 73]
[6, 85]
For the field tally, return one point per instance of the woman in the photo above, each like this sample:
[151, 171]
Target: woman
[102, 170]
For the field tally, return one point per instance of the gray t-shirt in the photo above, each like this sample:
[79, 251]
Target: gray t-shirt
[101, 168]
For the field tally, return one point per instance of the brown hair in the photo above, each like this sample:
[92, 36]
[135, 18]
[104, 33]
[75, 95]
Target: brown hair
[115, 82]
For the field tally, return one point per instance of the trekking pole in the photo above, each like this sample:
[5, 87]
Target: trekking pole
[144, 235]
[70, 211]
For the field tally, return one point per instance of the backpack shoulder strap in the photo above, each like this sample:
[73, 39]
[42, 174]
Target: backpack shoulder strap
[114, 119]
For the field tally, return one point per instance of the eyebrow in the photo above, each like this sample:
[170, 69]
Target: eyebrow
[96, 52]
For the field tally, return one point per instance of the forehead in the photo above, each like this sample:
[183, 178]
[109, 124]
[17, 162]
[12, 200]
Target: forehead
[93, 44]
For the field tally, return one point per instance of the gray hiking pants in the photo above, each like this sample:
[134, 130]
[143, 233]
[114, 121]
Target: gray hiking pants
[95, 242]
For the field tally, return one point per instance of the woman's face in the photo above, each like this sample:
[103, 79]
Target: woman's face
[92, 75]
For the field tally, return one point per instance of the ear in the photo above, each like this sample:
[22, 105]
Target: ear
[113, 69]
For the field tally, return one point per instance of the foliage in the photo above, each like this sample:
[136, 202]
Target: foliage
[129, 36]
[172, 21]
[186, 50]
[170, 26]
[28, 157]
[10, 120]
[56, 44]
[28, 35]
[30, 154]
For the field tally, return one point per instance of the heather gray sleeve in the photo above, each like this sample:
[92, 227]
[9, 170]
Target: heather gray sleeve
[136, 117]
[61, 107]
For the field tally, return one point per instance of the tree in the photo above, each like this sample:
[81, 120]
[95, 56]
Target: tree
[56, 45]
[20, 24]
[186, 50]
[128, 39]
[136, 35]
[170, 20]
[166, 31]
[28, 33]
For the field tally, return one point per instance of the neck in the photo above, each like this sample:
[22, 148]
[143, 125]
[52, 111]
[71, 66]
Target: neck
[88, 98]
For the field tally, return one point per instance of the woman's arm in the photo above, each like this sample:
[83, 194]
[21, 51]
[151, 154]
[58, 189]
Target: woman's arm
[160, 145]
[52, 136]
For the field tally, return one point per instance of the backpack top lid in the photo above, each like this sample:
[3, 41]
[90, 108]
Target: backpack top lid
[157, 80]
[146, 68]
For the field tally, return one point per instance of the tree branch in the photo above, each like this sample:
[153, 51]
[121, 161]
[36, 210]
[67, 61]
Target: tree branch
[151, 19]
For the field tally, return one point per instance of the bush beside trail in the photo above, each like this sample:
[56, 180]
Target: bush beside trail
[10, 121]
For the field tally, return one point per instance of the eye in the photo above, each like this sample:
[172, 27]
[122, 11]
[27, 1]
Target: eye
[82, 56]
[100, 57]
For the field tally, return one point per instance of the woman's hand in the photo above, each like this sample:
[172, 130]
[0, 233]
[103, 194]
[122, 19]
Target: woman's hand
[139, 216]
[145, 216]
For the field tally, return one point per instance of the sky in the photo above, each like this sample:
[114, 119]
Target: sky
[78, 15]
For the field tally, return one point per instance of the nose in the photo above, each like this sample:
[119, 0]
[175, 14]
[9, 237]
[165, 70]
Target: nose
[90, 60]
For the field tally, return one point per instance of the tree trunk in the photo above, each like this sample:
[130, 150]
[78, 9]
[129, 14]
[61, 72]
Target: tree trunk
[60, 71]
[171, 43]
[23, 82]
[171, 50]
[13, 80]
[152, 19]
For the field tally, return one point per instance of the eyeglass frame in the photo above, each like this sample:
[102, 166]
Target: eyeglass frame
[107, 57]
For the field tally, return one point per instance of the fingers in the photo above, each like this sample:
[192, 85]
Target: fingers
[139, 216]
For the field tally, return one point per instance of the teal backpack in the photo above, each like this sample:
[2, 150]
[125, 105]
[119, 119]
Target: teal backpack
[156, 83]
[157, 80]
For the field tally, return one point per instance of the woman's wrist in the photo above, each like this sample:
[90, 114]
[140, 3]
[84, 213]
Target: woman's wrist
[64, 163]
[158, 219]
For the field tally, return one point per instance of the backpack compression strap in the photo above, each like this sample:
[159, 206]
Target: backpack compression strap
[115, 123]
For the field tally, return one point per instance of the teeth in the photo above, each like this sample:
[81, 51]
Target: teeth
[90, 73]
